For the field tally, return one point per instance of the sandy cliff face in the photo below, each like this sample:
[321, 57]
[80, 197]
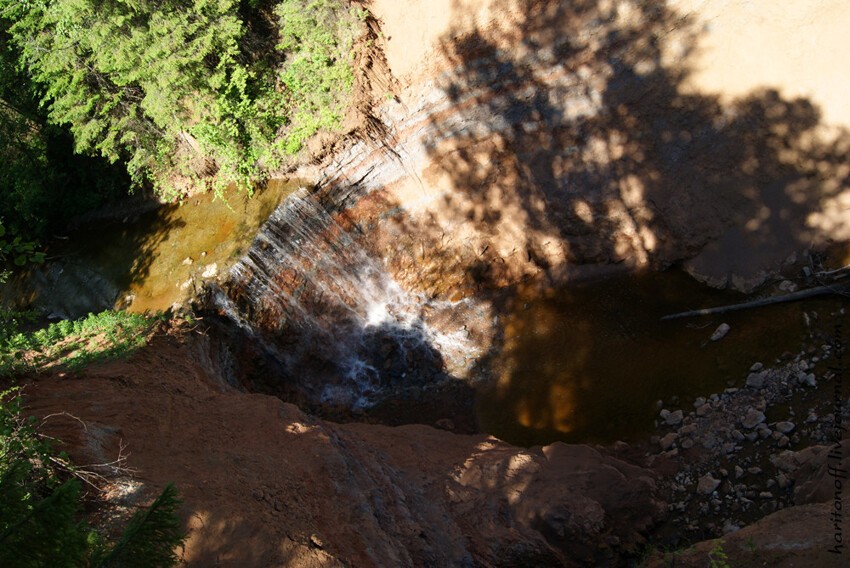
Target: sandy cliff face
[266, 485]
[529, 137]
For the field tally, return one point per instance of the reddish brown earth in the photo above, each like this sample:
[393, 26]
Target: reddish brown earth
[266, 485]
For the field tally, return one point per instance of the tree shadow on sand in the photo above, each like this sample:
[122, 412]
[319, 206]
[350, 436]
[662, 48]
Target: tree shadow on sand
[574, 141]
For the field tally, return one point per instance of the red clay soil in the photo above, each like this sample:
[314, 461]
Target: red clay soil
[266, 485]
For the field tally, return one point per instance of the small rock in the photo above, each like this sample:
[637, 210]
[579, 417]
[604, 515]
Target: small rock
[707, 484]
[752, 419]
[664, 414]
[687, 443]
[783, 442]
[785, 427]
[674, 418]
[668, 441]
[316, 541]
[729, 527]
[187, 261]
[810, 380]
[739, 472]
[766, 495]
[720, 332]
[699, 401]
[783, 481]
[755, 470]
[737, 436]
[812, 417]
[756, 367]
[755, 380]
[703, 410]
[210, 271]
[787, 286]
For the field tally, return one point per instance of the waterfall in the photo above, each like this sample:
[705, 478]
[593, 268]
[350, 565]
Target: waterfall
[332, 314]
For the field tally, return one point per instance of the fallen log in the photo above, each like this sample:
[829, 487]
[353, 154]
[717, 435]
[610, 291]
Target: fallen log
[792, 297]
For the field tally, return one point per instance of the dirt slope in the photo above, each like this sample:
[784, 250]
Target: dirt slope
[266, 485]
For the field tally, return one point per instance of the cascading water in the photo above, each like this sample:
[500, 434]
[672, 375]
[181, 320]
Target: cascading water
[332, 315]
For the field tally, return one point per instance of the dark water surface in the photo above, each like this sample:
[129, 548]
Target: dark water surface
[588, 362]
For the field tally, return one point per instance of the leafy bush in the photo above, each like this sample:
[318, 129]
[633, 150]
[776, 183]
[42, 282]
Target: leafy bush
[39, 511]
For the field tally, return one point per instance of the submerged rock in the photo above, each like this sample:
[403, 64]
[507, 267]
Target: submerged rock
[720, 332]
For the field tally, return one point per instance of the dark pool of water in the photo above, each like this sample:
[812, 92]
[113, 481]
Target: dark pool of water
[588, 362]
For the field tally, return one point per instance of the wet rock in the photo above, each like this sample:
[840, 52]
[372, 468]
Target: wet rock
[752, 419]
[720, 332]
[707, 484]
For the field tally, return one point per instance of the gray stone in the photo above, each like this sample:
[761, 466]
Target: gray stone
[752, 419]
[674, 418]
[703, 410]
[720, 332]
[739, 472]
[707, 484]
[756, 367]
[687, 443]
[755, 380]
[785, 427]
[699, 401]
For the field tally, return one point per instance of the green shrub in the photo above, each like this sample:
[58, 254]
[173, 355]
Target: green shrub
[40, 511]
[97, 337]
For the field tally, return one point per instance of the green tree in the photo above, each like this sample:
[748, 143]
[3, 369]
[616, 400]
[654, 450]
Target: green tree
[168, 84]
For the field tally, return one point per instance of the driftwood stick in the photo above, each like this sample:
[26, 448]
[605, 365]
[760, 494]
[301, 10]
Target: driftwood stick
[794, 296]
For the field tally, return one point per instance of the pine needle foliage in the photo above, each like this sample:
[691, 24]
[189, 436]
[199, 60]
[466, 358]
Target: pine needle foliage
[40, 511]
[150, 538]
[163, 84]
